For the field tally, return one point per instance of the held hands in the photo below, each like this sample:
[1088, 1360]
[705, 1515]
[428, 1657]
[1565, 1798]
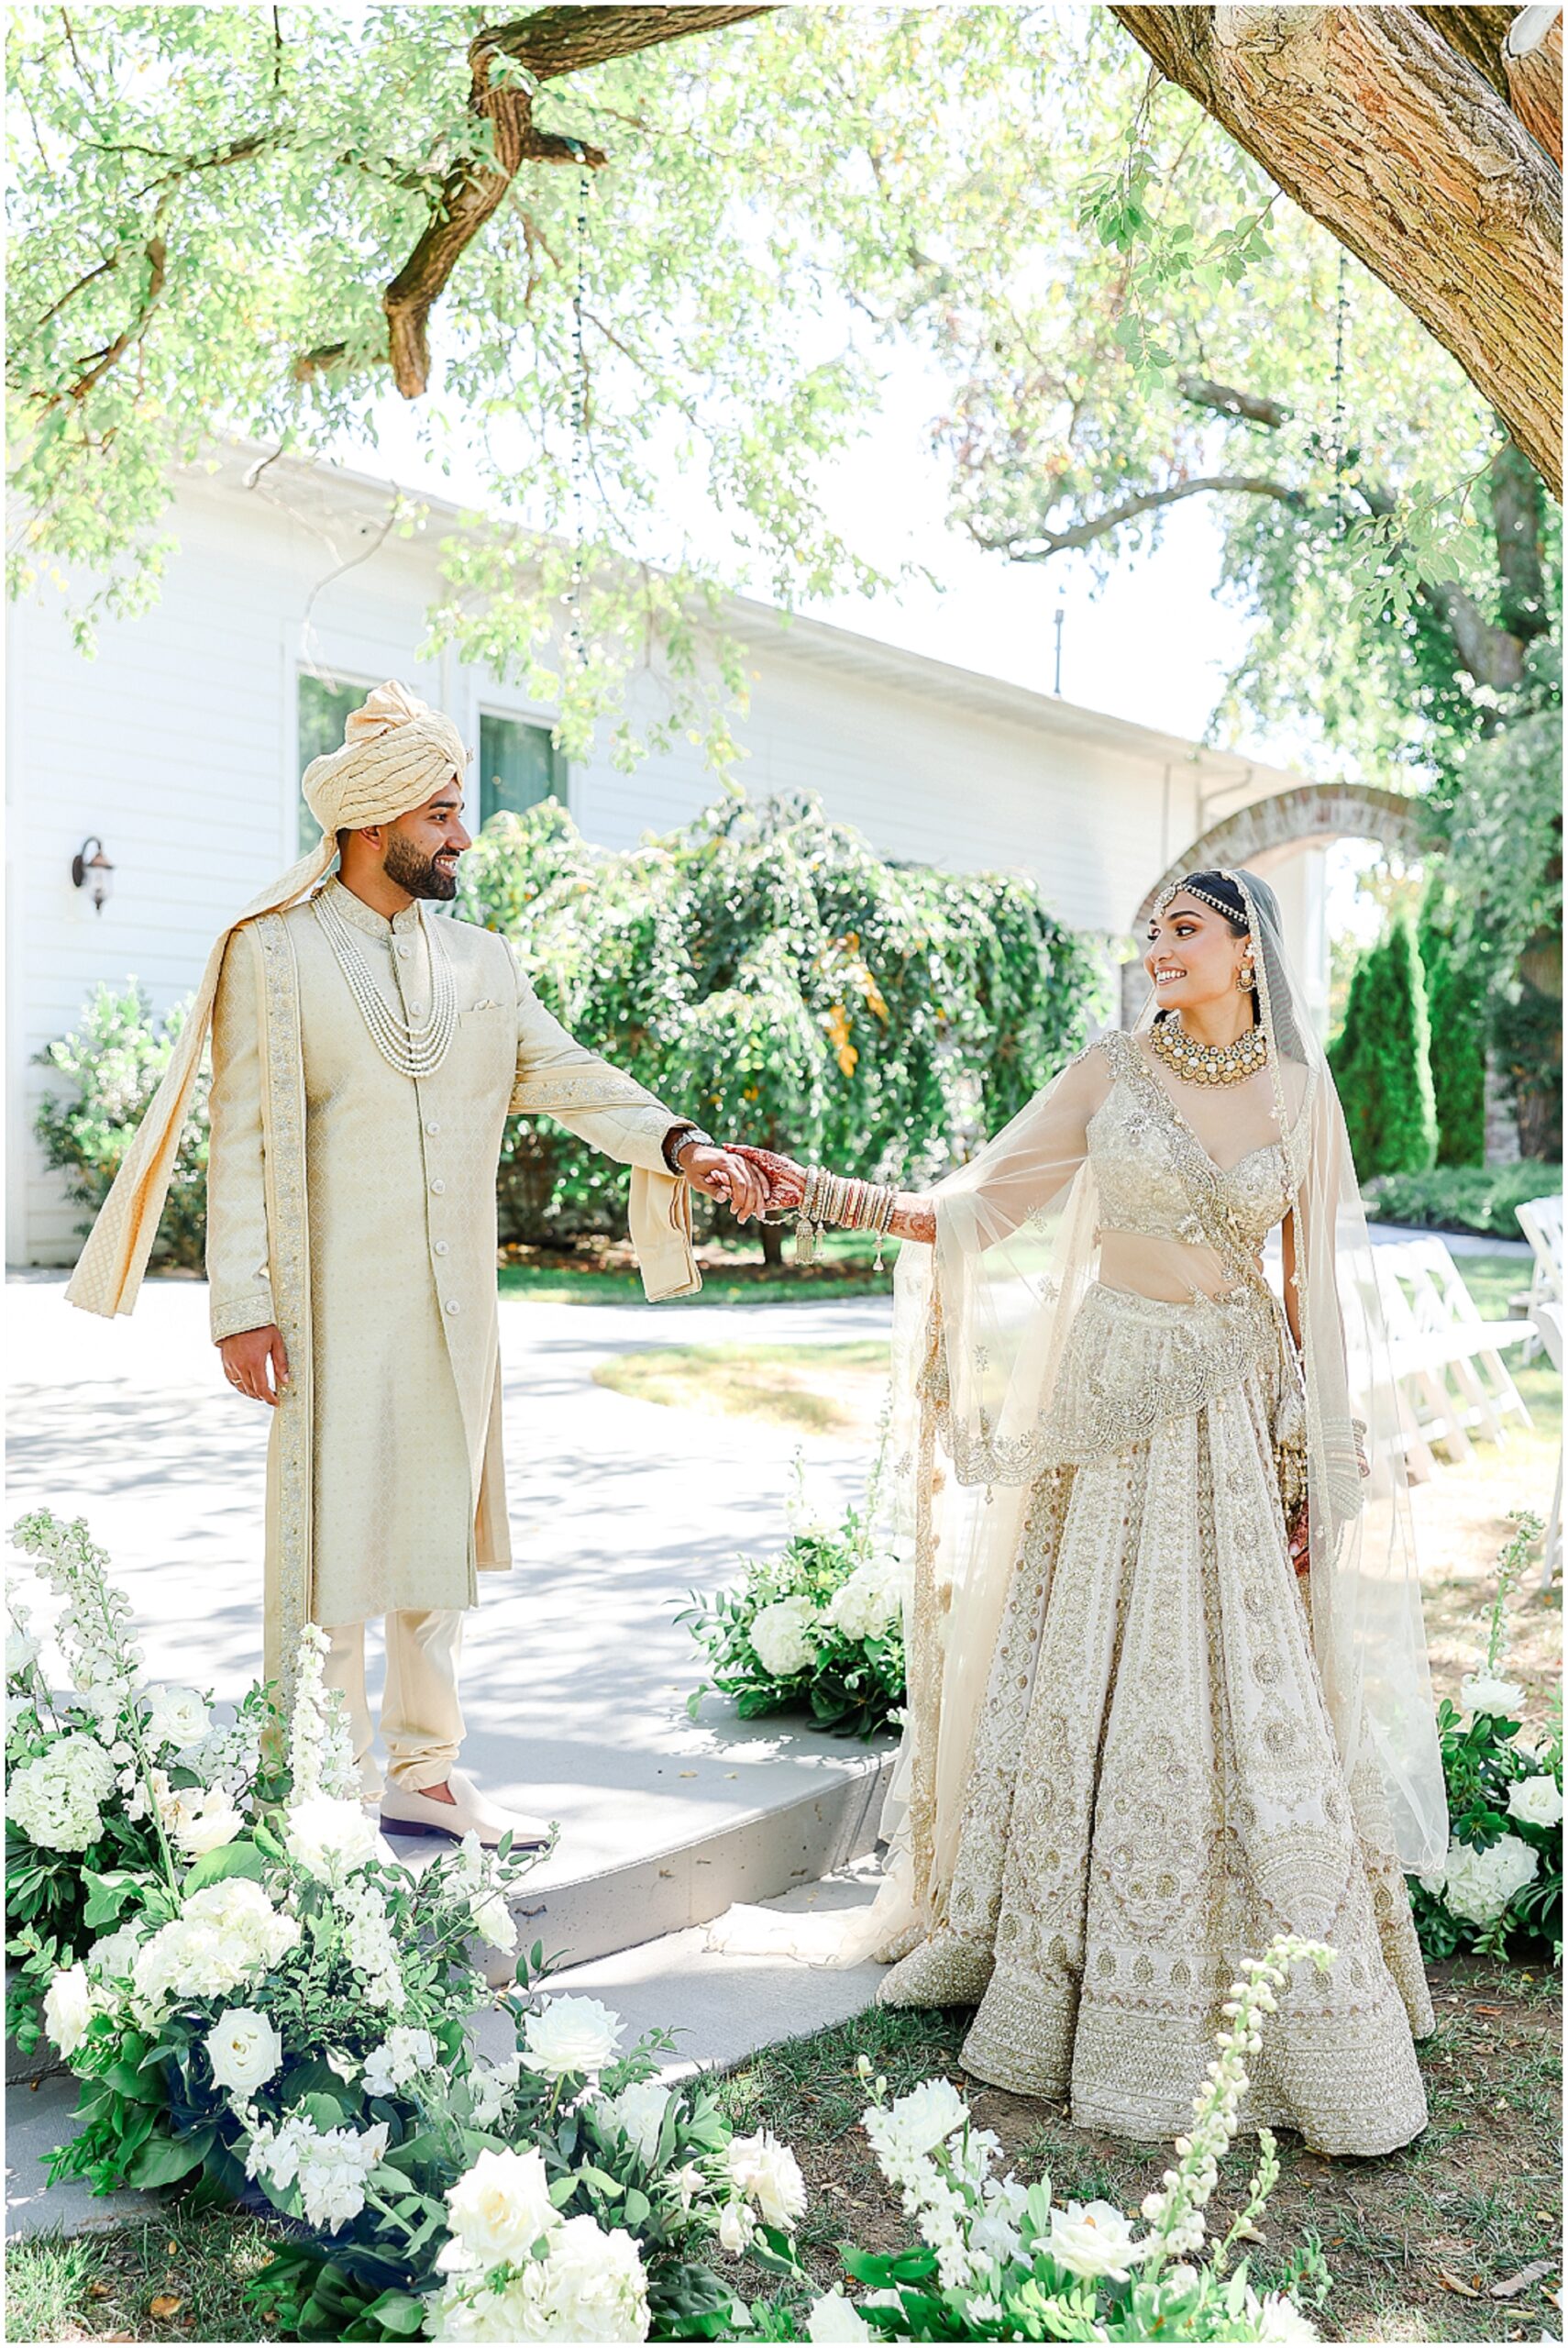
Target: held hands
[725, 1175]
[255, 1364]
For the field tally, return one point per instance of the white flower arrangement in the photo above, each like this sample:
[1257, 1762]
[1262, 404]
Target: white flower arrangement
[1008, 2259]
[1477, 1885]
[822, 1625]
[243, 2050]
[571, 2035]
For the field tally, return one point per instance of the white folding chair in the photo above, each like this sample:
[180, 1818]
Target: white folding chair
[1549, 1320]
[1444, 1305]
[1540, 1220]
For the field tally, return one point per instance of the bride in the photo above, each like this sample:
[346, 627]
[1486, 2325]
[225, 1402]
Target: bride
[1167, 1681]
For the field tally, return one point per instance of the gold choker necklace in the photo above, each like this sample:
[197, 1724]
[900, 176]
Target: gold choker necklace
[1197, 1063]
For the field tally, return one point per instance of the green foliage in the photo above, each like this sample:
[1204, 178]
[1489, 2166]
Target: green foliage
[1381, 1060]
[764, 971]
[1457, 1011]
[115, 1062]
[1461, 1198]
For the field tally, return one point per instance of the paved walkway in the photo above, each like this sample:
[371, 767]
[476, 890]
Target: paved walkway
[576, 1675]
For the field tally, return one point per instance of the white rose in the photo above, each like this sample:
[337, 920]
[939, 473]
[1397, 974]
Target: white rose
[68, 2009]
[1280, 2318]
[203, 1820]
[1537, 1801]
[592, 2285]
[834, 2317]
[243, 2049]
[498, 2316]
[21, 1650]
[572, 2035]
[1482, 1693]
[1093, 2239]
[494, 1921]
[330, 1838]
[780, 1637]
[639, 2112]
[767, 2173]
[499, 2208]
[175, 1716]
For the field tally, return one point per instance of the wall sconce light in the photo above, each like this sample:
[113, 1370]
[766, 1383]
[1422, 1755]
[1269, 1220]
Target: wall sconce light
[92, 871]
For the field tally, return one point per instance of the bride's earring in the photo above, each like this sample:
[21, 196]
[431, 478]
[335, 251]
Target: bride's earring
[1246, 979]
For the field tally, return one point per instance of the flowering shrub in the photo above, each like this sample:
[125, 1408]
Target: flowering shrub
[1501, 1880]
[997, 2259]
[267, 1996]
[820, 1625]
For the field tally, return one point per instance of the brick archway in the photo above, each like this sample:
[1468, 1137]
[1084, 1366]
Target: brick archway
[1309, 817]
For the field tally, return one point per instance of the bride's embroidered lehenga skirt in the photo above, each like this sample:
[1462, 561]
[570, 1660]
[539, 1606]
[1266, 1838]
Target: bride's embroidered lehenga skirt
[1155, 1791]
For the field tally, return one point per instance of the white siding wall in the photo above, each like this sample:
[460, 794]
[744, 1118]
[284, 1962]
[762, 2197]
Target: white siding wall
[177, 746]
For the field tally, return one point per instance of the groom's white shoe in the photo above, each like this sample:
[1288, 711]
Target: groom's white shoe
[404, 1811]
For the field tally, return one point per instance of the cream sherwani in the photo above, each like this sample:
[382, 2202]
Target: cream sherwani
[355, 1207]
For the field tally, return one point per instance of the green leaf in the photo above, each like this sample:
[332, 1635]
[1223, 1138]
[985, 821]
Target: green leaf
[242, 1858]
[164, 2160]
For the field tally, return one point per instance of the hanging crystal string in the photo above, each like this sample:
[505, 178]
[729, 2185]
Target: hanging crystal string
[1337, 430]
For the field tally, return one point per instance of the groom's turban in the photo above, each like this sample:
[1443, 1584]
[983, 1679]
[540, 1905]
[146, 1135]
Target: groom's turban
[397, 752]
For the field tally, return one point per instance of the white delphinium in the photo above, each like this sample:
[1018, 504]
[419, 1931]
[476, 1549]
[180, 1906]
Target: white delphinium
[68, 2006]
[478, 1875]
[571, 2036]
[243, 2049]
[1094, 2240]
[22, 1648]
[176, 1717]
[910, 2130]
[1176, 2211]
[328, 2165]
[371, 1945]
[1279, 2320]
[94, 1627]
[55, 1800]
[1536, 1801]
[780, 1637]
[402, 2056]
[1482, 1692]
[329, 1837]
[736, 2228]
[1478, 1885]
[321, 1743]
[489, 2084]
[638, 2111]
[767, 2174]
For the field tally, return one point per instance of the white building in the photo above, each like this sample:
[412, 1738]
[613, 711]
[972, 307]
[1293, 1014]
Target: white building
[179, 749]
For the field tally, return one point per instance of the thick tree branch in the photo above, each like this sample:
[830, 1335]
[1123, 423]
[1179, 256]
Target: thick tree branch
[1531, 86]
[1375, 125]
[1225, 399]
[1099, 526]
[538, 48]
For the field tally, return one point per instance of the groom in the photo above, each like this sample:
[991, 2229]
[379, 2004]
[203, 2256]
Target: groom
[365, 1059]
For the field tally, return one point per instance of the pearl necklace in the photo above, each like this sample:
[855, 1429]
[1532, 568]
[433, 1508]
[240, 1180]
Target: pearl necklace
[413, 1051]
[1197, 1063]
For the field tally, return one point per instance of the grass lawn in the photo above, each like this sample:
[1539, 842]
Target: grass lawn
[823, 1390]
[1414, 2244]
[733, 1273]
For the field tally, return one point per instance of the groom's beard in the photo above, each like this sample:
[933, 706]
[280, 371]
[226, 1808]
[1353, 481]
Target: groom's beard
[420, 875]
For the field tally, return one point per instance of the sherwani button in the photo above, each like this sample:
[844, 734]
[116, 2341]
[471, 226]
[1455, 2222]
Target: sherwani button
[416, 1010]
[432, 1126]
[437, 1186]
[404, 949]
[451, 1304]
[442, 1247]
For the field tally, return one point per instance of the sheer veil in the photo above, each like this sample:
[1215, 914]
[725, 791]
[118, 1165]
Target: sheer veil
[985, 1400]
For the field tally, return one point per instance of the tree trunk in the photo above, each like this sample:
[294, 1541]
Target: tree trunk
[1378, 126]
[773, 1246]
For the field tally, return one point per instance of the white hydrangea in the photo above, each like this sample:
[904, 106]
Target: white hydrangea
[400, 2057]
[869, 1602]
[767, 2173]
[175, 1716]
[1483, 1692]
[225, 1935]
[55, 1800]
[638, 2111]
[780, 1637]
[112, 1958]
[1536, 1801]
[489, 2084]
[68, 2007]
[243, 2049]
[371, 1945]
[572, 2036]
[1478, 1885]
[329, 2166]
[329, 1837]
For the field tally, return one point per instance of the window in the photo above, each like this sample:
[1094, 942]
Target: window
[324, 709]
[518, 765]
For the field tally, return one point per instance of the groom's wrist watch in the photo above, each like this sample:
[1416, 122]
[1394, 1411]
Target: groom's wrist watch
[681, 1138]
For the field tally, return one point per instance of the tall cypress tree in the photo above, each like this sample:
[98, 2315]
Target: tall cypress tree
[1381, 1060]
[1456, 1006]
